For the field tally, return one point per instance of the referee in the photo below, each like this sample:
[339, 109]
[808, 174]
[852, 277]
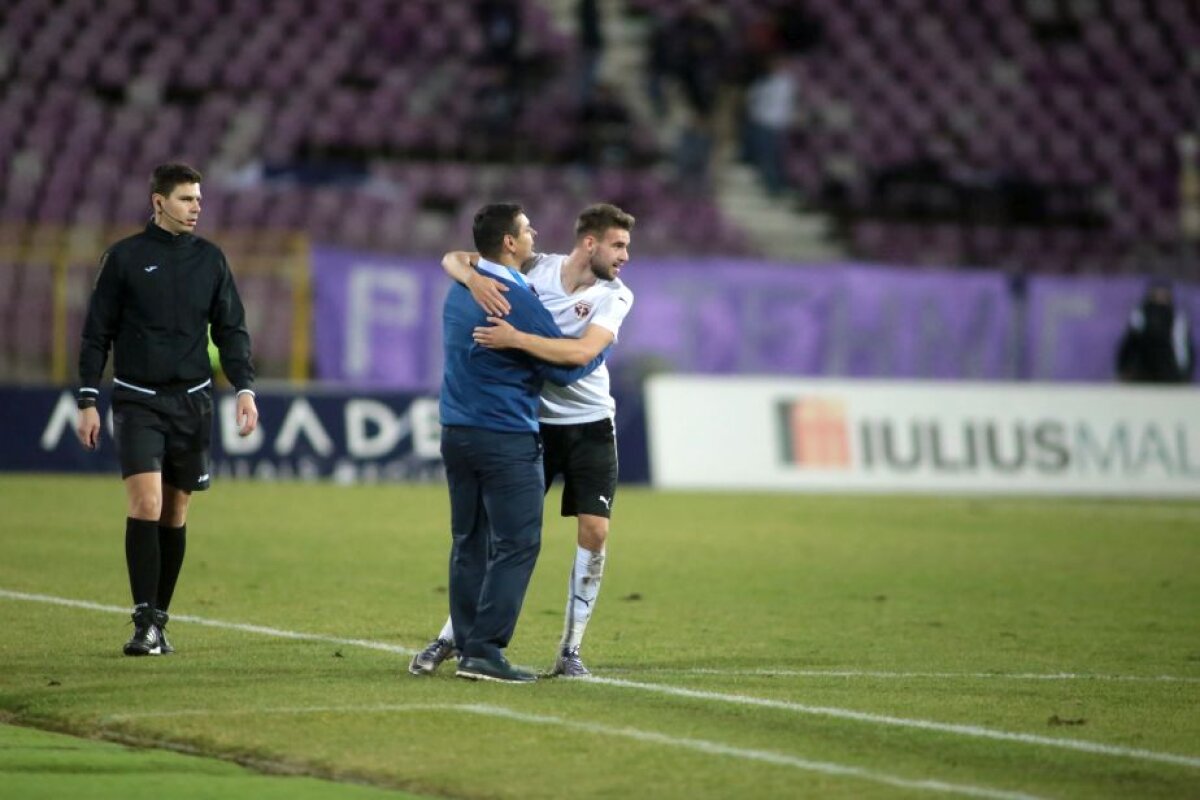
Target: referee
[155, 297]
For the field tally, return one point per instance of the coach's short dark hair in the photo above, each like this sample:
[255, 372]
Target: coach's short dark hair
[166, 177]
[597, 219]
[492, 223]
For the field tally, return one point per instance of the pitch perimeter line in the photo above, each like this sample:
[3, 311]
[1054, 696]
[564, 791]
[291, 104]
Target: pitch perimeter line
[884, 674]
[636, 734]
[215, 623]
[1080, 745]
[973, 731]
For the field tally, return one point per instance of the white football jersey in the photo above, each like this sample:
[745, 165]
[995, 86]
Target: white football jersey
[605, 303]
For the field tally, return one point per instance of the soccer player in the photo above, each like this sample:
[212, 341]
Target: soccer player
[492, 450]
[588, 302]
[157, 294]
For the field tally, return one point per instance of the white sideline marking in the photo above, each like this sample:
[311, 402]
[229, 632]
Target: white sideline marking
[861, 673]
[699, 745]
[974, 731]
[215, 623]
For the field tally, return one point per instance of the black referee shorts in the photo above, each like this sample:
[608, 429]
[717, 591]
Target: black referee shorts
[167, 432]
[585, 455]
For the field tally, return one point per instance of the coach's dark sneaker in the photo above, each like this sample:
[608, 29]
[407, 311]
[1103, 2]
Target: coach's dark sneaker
[145, 640]
[160, 621]
[492, 669]
[428, 660]
[570, 665]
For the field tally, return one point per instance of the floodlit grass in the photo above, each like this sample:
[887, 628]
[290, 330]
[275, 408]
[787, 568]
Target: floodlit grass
[744, 645]
[36, 764]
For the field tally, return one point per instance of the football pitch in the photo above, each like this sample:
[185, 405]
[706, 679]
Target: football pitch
[744, 645]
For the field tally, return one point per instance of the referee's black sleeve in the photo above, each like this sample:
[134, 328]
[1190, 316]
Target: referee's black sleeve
[229, 333]
[103, 317]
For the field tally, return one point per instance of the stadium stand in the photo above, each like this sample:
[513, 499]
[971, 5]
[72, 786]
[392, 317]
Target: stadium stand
[1035, 135]
[321, 116]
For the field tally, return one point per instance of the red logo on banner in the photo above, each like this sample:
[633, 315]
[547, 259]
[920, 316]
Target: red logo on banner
[815, 433]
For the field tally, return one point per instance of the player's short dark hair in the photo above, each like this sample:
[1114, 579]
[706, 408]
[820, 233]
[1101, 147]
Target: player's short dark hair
[166, 177]
[598, 218]
[492, 223]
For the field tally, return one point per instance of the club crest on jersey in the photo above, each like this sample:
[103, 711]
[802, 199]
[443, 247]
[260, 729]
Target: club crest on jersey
[582, 309]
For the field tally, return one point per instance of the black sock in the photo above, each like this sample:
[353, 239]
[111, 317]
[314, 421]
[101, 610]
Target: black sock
[171, 544]
[141, 556]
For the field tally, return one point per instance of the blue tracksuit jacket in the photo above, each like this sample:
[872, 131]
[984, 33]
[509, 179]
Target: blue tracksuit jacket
[497, 389]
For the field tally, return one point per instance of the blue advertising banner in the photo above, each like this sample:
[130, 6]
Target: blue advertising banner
[315, 434]
[348, 438]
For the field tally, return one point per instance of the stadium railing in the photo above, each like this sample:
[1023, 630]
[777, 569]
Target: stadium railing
[47, 272]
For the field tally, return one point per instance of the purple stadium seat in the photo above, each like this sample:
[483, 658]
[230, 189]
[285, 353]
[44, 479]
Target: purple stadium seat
[1090, 94]
[1100, 107]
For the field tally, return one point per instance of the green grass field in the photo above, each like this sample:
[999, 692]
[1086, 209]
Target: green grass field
[743, 646]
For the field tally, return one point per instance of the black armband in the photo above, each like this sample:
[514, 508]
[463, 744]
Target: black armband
[85, 401]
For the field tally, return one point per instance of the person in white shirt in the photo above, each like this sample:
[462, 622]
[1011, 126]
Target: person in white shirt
[589, 302]
[770, 111]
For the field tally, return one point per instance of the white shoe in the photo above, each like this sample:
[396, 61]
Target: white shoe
[570, 665]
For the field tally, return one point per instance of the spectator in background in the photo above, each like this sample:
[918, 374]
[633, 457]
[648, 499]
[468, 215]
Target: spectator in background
[796, 28]
[591, 47]
[770, 109]
[500, 23]
[505, 77]
[607, 128]
[700, 61]
[1157, 346]
[660, 64]
[497, 102]
[701, 52]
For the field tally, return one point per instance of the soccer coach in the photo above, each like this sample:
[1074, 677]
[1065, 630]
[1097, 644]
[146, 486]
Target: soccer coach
[492, 450]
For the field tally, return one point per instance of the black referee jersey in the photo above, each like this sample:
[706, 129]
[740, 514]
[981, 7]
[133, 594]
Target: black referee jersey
[154, 299]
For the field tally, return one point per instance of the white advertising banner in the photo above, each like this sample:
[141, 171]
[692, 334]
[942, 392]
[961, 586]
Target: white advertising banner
[885, 436]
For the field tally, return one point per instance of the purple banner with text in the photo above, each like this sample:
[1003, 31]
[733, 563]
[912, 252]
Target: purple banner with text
[378, 321]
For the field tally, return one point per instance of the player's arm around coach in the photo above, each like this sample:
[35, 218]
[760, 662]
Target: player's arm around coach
[498, 334]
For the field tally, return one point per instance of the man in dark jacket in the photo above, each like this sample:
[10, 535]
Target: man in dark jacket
[1157, 345]
[155, 298]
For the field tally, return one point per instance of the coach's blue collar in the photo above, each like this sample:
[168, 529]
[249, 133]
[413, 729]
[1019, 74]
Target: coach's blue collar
[502, 272]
